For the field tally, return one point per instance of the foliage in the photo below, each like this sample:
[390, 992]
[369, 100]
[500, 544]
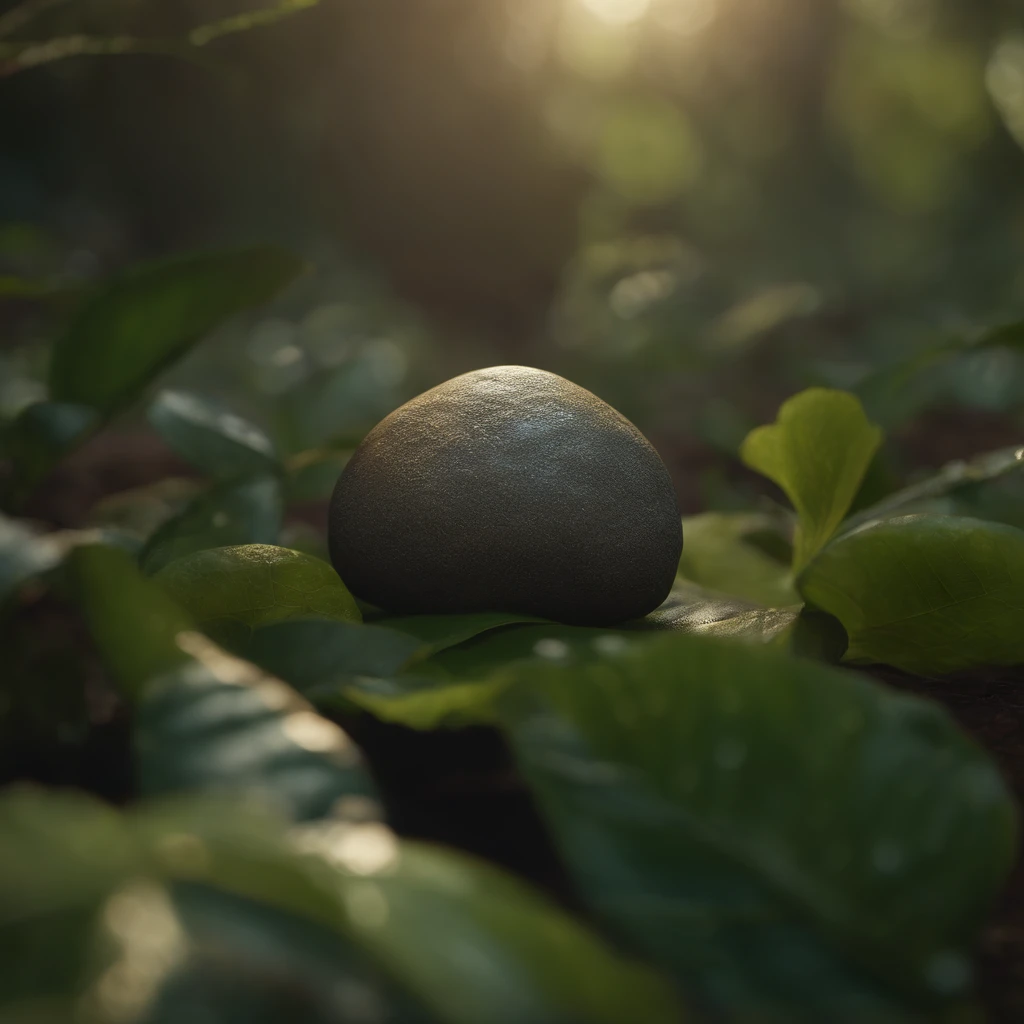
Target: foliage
[754, 834]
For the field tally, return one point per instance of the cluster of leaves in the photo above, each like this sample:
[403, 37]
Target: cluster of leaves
[755, 833]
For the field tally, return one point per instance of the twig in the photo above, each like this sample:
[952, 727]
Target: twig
[15, 57]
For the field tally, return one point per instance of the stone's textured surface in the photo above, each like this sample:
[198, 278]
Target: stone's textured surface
[507, 489]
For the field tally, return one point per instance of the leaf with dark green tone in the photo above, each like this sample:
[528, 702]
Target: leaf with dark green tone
[817, 451]
[40, 871]
[294, 970]
[229, 513]
[136, 325]
[412, 910]
[318, 656]
[39, 437]
[531, 961]
[771, 830]
[719, 554]
[133, 621]
[419, 702]
[24, 554]
[1006, 335]
[457, 686]
[255, 585]
[928, 594]
[896, 393]
[950, 490]
[221, 724]
[211, 438]
[436, 632]
[893, 395]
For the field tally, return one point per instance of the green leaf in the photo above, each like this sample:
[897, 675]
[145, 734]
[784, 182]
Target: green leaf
[1006, 335]
[229, 513]
[24, 554]
[42, 873]
[412, 911]
[928, 594]
[531, 961]
[771, 830]
[318, 656]
[135, 326]
[720, 555]
[294, 970]
[133, 621]
[214, 440]
[950, 490]
[457, 686]
[221, 724]
[420, 702]
[437, 632]
[39, 437]
[254, 585]
[692, 609]
[817, 451]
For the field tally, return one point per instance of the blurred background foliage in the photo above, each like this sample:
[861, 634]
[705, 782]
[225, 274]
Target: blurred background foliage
[693, 207]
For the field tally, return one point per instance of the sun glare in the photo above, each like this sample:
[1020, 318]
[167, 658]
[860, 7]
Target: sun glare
[617, 12]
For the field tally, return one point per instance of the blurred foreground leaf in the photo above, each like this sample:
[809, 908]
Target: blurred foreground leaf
[772, 831]
[464, 940]
[134, 623]
[817, 451]
[220, 724]
[23, 555]
[928, 594]
[39, 436]
[135, 326]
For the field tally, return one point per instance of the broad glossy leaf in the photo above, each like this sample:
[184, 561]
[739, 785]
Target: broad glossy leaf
[219, 723]
[530, 961]
[211, 438]
[294, 970]
[771, 830]
[817, 451]
[136, 325]
[928, 594]
[229, 513]
[954, 489]
[458, 685]
[692, 609]
[436, 632]
[133, 621]
[255, 585]
[719, 554]
[414, 911]
[317, 656]
[40, 436]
